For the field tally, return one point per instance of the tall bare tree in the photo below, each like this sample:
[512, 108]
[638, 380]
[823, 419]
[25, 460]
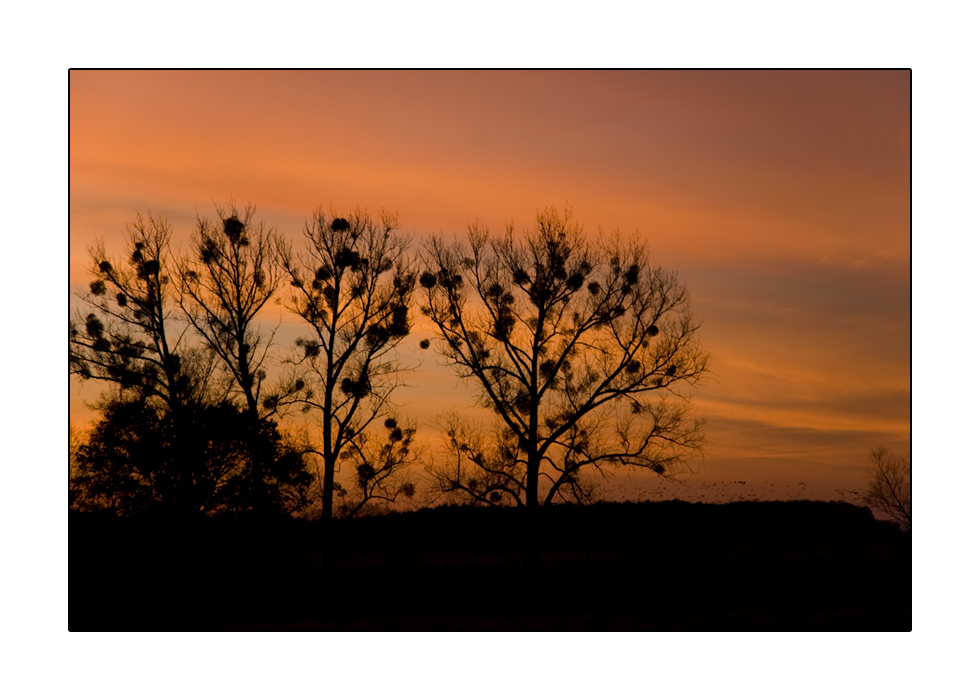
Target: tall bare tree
[224, 285]
[226, 281]
[585, 353]
[890, 486]
[352, 286]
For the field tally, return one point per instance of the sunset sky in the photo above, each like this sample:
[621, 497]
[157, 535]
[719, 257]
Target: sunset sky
[782, 199]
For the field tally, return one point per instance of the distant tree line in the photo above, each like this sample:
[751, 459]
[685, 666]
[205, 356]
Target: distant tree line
[583, 353]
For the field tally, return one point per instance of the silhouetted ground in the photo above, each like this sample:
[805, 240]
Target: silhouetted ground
[802, 565]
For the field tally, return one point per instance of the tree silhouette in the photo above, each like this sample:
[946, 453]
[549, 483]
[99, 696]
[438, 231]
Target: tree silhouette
[889, 487]
[224, 285]
[129, 339]
[156, 441]
[231, 275]
[135, 461]
[582, 352]
[353, 285]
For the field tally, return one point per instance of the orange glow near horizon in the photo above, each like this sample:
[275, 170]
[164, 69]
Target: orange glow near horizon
[781, 198]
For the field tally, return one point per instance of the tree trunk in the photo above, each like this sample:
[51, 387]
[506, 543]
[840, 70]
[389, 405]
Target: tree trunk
[329, 466]
[256, 461]
[328, 471]
[533, 467]
[532, 521]
[185, 464]
[258, 456]
[327, 548]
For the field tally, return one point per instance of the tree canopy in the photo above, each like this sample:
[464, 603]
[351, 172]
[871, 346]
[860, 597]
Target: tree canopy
[585, 353]
[138, 460]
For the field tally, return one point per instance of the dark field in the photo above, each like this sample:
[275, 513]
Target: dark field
[787, 566]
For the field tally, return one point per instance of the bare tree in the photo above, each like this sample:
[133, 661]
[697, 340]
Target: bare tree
[585, 353]
[129, 339]
[224, 285]
[353, 285]
[890, 486]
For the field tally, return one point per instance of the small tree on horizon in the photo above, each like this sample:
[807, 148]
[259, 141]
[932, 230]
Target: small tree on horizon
[889, 489]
